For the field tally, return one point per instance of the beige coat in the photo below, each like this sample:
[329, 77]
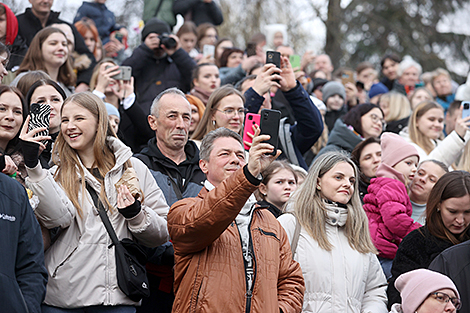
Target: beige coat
[81, 267]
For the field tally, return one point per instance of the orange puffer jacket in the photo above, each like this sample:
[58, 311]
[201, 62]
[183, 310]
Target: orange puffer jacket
[209, 266]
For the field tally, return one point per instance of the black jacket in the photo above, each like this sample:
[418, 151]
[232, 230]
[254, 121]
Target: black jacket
[153, 75]
[18, 50]
[417, 250]
[23, 276]
[455, 263]
[201, 12]
[29, 25]
[187, 170]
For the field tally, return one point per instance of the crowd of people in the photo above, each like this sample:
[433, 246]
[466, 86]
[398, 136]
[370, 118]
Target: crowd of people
[364, 206]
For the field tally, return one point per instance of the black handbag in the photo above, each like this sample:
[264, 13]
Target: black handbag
[130, 258]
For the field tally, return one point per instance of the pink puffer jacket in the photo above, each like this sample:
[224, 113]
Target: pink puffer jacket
[388, 208]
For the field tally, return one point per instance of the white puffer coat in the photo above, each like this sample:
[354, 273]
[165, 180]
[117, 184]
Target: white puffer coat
[81, 267]
[340, 280]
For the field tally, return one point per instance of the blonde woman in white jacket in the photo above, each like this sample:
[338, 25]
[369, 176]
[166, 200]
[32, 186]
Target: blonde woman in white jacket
[334, 248]
[81, 265]
[425, 133]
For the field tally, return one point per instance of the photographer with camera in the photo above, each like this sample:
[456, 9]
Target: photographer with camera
[159, 63]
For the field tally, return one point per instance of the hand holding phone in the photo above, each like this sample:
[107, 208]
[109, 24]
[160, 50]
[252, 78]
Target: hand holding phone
[125, 73]
[40, 116]
[208, 50]
[269, 125]
[466, 109]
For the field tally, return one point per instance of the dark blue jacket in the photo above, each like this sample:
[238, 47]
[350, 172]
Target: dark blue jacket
[23, 276]
[309, 126]
[153, 75]
[104, 19]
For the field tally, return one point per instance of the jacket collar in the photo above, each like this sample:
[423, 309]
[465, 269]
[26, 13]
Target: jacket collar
[190, 149]
[385, 170]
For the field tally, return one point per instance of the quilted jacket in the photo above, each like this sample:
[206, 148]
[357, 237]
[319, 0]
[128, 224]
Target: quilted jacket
[388, 208]
[209, 265]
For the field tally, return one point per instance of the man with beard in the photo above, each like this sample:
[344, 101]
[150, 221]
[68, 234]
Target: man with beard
[159, 64]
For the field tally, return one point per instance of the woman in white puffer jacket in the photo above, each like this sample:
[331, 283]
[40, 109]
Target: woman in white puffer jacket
[81, 262]
[334, 248]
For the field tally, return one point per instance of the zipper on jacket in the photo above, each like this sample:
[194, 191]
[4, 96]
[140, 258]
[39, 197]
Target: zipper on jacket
[267, 233]
[63, 262]
[249, 292]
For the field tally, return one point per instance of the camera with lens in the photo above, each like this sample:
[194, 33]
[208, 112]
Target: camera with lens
[167, 41]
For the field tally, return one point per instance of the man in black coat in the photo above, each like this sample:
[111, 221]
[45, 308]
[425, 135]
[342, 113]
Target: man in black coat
[39, 16]
[23, 276]
[157, 66]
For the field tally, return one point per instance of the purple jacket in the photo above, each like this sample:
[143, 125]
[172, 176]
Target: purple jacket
[388, 208]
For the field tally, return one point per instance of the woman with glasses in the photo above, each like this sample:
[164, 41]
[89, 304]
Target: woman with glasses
[206, 35]
[425, 291]
[397, 110]
[425, 133]
[447, 224]
[361, 122]
[225, 108]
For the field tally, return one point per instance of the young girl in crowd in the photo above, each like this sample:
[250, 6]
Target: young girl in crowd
[333, 244]
[49, 52]
[86, 27]
[447, 224]
[205, 80]
[188, 38]
[387, 204]
[81, 263]
[278, 184]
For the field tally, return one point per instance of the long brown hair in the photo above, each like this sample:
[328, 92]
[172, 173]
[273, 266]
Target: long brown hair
[34, 60]
[67, 159]
[205, 124]
[454, 184]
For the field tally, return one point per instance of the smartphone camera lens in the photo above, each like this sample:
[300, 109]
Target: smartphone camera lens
[250, 117]
[466, 106]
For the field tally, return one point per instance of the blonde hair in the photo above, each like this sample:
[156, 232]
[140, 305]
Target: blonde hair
[398, 104]
[67, 159]
[464, 163]
[416, 135]
[310, 210]
[206, 125]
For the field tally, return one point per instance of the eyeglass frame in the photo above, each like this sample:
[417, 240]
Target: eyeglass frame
[230, 115]
[375, 118]
[448, 298]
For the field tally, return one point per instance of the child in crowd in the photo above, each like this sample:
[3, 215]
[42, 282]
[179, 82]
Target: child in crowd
[113, 116]
[387, 203]
[334, 96]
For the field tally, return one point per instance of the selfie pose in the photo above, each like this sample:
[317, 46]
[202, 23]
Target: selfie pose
[81, 262]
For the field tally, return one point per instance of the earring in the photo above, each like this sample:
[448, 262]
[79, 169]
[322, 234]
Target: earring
[438, 210]
[318, 188]
[264, 194]
[213, 123]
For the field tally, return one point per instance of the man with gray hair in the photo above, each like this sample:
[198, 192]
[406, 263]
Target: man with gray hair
[173, 161]
[230, 254]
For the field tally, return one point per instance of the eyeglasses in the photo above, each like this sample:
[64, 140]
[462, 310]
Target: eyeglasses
[375, 118]
[233, 112]
[445, 298]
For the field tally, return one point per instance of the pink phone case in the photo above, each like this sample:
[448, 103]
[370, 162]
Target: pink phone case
[250, 120]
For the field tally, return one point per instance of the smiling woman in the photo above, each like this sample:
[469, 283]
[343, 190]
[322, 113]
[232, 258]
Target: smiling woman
[49, 52]
[87, 152]
[424, 132]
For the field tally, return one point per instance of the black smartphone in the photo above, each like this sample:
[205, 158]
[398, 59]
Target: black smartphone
[269, 125]
[40, 116]
[273, 57]
[251, 49]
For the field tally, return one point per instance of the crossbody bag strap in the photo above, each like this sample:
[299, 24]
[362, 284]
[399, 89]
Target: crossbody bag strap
[158, 8]
[103, 214]
[176, 189]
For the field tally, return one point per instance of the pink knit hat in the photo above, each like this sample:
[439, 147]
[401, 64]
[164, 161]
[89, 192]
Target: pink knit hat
[415, 287]
[395, 149]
